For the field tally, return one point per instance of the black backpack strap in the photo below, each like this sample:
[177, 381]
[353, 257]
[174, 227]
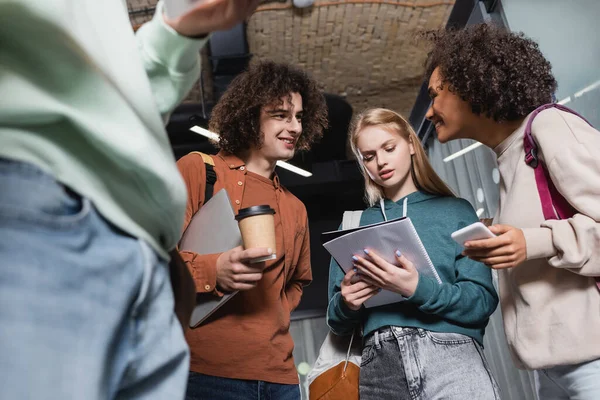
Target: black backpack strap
[211, 175]
[211, 178]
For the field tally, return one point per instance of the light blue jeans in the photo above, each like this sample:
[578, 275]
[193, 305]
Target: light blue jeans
[416, 364]
[569, 382]
[86, 311]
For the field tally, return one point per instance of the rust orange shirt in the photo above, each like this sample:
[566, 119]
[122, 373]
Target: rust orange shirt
[248, 337]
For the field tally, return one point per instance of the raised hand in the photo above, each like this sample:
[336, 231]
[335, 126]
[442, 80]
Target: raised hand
[212, 15]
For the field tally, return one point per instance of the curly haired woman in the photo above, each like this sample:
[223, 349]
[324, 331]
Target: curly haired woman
[485, 83]
[266, 114]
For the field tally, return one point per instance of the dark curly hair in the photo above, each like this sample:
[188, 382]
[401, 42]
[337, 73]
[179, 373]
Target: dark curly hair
[236, 117]
[501, 74]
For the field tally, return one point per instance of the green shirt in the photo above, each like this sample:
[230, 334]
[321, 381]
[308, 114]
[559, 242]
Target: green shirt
[463, 302]
[85, 100]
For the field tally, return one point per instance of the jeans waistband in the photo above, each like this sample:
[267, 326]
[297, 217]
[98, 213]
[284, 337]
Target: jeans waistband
[24, 169]
[388, 332]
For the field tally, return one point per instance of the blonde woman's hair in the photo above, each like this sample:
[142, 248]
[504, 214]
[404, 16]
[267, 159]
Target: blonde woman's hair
[422, 173]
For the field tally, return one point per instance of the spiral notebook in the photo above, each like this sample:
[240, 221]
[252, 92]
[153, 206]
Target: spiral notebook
[383, 238]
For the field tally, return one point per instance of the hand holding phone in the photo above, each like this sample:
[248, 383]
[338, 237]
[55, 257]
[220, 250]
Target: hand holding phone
[197, 18]
[474, 231]
[176, 8]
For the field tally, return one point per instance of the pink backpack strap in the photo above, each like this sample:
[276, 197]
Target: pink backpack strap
[554, 205]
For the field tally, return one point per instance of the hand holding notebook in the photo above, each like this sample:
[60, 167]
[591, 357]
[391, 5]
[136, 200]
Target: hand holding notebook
[399, 277]
[384, 239]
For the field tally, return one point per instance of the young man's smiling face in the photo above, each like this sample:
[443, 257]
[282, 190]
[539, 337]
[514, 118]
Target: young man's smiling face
[281, 127]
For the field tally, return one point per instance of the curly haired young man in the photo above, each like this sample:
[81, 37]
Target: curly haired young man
[484, 83]
[245, 351]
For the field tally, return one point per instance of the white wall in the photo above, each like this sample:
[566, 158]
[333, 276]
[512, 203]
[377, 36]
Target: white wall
[568, 33]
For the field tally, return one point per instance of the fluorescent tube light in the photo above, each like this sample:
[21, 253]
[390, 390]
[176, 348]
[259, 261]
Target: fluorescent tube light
[462, 152]
[205, 133]
[294, 169]
[564, 101]
[588, 88]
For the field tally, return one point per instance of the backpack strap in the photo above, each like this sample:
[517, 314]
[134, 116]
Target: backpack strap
[351, 219]
[211, 175]
[554, 205]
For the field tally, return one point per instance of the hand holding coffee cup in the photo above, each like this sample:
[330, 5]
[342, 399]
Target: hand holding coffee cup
[239, 268]
[257, 226]
[234, 271]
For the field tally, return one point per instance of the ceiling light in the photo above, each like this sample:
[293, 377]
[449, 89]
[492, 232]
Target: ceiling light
[205, 133]
[588, 88]
[565, 100]
[213, 136]
[294, 169]
[302, 3]
[583, 91]
[462, 152]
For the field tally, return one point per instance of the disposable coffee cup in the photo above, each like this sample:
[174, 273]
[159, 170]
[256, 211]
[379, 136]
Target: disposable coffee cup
[257, 226]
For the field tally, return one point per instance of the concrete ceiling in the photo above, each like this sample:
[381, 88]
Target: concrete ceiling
[363, 50]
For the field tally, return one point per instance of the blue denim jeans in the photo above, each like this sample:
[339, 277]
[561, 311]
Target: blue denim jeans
[206, 387]
[409, 363]
[86, 311]
[564, 382]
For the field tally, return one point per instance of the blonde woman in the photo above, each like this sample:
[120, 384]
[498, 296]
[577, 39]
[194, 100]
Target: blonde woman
[429, 346]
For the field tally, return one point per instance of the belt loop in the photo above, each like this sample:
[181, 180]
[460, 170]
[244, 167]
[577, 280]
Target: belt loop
[377, 345]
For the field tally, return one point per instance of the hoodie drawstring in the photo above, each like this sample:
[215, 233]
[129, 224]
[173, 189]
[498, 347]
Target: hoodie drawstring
[404, 208]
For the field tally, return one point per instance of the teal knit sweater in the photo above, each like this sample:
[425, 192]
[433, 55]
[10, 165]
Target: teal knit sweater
[463, 302]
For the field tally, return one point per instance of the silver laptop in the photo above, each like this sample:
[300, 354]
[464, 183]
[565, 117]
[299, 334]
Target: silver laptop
[213, 229]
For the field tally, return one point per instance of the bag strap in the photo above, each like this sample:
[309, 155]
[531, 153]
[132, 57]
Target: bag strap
[351, 219]
[348, 352]
[554, 205]
[211, 175]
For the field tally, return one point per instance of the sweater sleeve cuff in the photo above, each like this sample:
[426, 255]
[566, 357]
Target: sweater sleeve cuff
[539, 243]
[344, 311]
[424, 291]
[174, 51]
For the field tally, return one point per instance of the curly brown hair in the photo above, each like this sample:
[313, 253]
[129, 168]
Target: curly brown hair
[236, 117]
[501, 74]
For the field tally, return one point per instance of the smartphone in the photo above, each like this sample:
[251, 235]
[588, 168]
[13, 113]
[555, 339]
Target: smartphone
[176, 8]
[474, 231]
